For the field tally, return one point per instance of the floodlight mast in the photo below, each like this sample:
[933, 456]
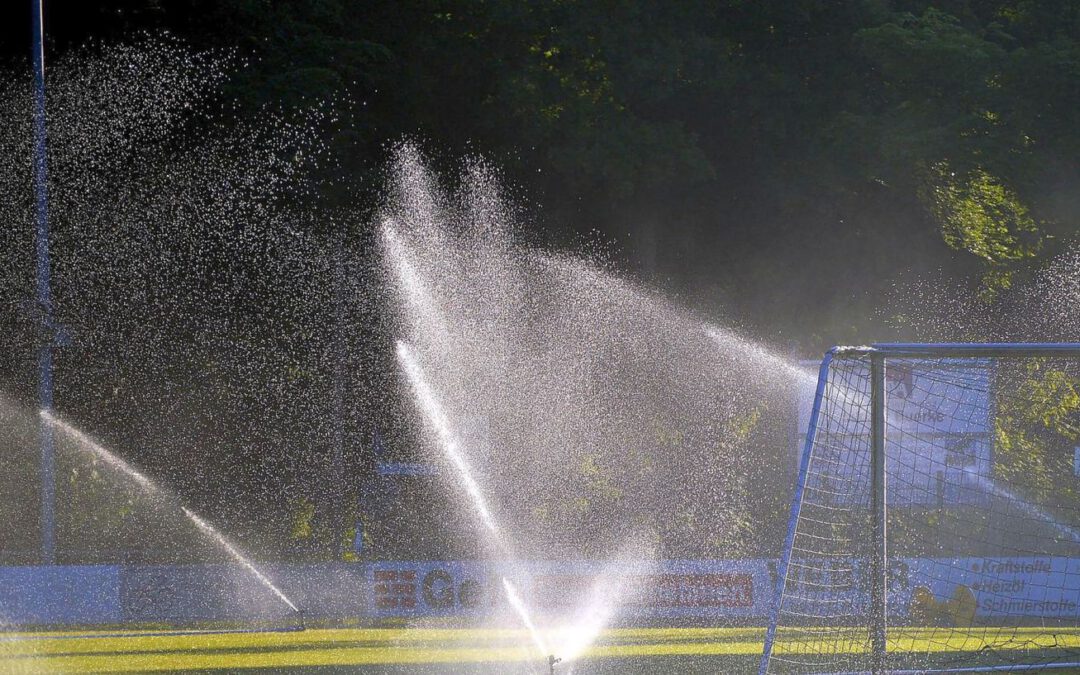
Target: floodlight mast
[338, 479]
[43, 287]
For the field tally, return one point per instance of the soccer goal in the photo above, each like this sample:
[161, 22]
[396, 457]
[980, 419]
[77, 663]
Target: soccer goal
[935, 525]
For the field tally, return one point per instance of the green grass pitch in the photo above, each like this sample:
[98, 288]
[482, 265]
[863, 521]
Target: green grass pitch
[432, 650]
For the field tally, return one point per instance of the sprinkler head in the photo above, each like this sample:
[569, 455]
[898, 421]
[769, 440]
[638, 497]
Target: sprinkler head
[551, 663]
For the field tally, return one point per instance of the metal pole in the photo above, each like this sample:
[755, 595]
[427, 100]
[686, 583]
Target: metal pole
[44, 295]
[339, 396]
[796, 510]
[878, 509]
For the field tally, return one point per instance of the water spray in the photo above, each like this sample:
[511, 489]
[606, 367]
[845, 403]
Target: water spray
[441, 423]
[525, 331]
[437, 417]
[726, 337]
[1036, 513]
[149, 487]
[239, 558]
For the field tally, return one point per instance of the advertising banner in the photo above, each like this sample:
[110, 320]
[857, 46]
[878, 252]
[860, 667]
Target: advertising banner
[938, 431]
[922, 591]
[53, 595]
[992, 588]
[727, 588]
[926, 590]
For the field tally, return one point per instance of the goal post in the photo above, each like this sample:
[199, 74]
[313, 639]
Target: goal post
[935, 524]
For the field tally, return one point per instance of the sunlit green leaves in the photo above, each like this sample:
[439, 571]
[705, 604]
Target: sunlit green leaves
[1035, 432]
[978, 214]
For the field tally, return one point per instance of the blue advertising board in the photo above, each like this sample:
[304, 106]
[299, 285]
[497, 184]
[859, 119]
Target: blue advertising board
[656, 589]
[1024, 589]
[55, 595]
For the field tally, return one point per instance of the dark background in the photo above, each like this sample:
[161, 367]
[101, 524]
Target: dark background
[789, 167]
[773, 162]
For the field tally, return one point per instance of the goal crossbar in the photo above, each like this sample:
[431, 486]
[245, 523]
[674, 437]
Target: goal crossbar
[964, 349]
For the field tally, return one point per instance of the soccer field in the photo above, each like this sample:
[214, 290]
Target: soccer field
[371, 650]
[428, 650]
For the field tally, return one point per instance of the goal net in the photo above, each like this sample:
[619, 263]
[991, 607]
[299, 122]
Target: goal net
[936, 521]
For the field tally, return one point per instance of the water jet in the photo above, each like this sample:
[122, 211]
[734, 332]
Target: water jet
[164, 497]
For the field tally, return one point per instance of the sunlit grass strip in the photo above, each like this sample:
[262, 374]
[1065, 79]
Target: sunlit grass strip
[362, 656]
[908, 640]
[345, 638]
[363, 647]
[358, 656]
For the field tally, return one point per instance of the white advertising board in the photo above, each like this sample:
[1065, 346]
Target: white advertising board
[938, 428]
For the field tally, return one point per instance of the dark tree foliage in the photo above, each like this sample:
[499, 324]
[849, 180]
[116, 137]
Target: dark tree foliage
[763, 157]
[780, 161]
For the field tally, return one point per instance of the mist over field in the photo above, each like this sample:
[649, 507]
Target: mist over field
[508, 314]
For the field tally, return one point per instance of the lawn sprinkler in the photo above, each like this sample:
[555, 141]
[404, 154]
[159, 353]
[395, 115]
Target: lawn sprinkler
[551, 663]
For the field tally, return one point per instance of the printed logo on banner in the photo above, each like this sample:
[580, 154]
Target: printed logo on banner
[685, 588]
[931, 589]
[902, 379]
[409, 589]
[998, 587]
[395, 589]
[704, 590]
[727, 590]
